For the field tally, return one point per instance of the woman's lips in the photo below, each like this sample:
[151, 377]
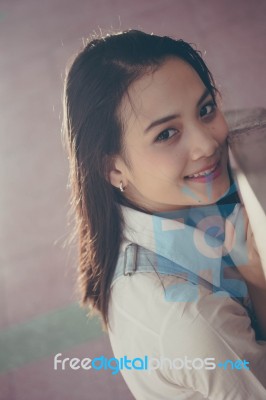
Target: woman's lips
[209, 177]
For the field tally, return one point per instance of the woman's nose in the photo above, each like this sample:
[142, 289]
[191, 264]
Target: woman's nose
[201, 144]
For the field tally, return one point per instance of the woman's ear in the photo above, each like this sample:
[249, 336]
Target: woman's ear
[116, 171]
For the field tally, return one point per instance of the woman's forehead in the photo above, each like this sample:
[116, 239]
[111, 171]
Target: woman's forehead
[167, 89]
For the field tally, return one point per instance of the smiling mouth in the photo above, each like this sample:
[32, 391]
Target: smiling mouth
[206, 173]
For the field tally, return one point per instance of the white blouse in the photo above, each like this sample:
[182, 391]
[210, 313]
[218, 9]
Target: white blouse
[200, 349]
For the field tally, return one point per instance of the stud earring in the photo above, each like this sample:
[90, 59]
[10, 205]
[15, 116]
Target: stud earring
[121, 187]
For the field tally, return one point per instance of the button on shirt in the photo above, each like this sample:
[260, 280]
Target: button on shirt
[198, 343]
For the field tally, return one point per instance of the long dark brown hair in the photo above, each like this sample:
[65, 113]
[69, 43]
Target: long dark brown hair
[92, 132]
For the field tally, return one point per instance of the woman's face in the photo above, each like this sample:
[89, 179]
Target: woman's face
[173, 130]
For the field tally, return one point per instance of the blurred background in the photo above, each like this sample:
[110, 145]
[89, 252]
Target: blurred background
[39, 311]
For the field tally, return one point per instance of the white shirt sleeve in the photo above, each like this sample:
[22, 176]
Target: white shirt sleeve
[217, 328]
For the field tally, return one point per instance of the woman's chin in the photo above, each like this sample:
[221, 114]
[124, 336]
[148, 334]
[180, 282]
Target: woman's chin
[213, 193]
[217, 193]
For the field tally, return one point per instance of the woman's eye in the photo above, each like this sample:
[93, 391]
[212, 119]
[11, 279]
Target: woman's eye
[210, 108]
[166, 134]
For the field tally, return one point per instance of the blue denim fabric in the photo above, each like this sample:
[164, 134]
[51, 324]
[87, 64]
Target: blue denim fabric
[137, 259]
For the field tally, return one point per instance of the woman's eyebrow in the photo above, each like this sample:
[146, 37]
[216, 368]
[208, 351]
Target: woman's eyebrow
[167, 118]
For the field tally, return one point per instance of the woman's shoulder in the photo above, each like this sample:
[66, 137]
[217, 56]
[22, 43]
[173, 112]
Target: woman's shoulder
[142, 297]
[151, 301]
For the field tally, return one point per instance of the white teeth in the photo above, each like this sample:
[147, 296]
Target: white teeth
[203, 173]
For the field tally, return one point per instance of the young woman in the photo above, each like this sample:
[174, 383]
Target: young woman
[162, 231]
